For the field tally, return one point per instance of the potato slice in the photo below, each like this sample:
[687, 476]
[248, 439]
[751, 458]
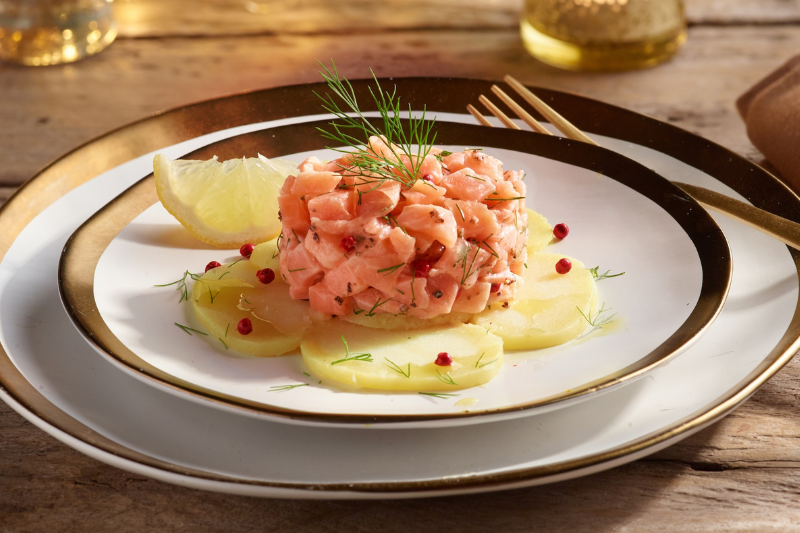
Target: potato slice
[225, 295]
[399, 361]
[405, 322]
[545, 312]
[540, 233]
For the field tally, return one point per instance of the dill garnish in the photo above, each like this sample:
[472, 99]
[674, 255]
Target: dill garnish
[284, 388]
[440, 395]
[600, 319]
[460, 212]
[223, 343]
[391, 269]
[604, 275]
[355, 357]
[399, 369]
[182, 284]
[446, 378]
[354, 132]
[188, 330]
[377, 304]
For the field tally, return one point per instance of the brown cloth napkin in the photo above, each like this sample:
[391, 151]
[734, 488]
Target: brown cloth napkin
[771, 111]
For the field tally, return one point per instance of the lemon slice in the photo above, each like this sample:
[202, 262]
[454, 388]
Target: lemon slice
[227, 203]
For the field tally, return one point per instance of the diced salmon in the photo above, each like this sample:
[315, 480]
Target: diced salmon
[313, 182]
[336, 205]
[473, 299]
[475, 218]
[325, 247]
[378, 200]
[352, 238]
[429, 222]
[301, 270]
[294, 214]
[325, 301]
[466, 185]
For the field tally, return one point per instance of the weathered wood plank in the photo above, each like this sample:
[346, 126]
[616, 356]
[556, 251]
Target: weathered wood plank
[54, 109]
[156, 18]
[45, 486]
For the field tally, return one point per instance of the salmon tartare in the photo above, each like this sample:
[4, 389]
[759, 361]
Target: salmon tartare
[452, 240]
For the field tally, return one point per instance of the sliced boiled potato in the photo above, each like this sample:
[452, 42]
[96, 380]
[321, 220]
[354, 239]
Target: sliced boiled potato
[405, 322]
[540, 233]
[265, 255]
[225, 295]
[396, 360]
[547, 309]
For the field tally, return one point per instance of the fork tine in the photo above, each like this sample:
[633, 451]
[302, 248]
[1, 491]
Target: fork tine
[478, 116]
[521, 113]
[549, 113]
[493, 109]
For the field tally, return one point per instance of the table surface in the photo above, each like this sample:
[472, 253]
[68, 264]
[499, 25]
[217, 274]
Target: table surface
[742, 473]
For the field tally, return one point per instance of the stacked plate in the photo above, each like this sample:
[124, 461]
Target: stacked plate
[694, 337]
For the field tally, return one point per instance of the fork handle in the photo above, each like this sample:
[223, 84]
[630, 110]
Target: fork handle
[780, 228]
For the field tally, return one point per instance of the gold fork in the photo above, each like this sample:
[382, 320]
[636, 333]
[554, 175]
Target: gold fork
[777, 227]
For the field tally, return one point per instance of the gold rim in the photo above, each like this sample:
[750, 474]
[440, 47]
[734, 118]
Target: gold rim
[84, 249]
[180, 124]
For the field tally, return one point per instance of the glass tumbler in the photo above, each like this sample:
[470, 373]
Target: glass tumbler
[48, 32]
[603, 35]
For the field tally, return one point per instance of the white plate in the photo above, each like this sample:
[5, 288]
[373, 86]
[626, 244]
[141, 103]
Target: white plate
[52, 377]
[613, 224]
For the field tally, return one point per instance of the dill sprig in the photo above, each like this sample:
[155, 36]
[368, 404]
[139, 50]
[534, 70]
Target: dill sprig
[602, 318]
[446, 378]
[284, 388]
[181, 284]
[188, 330]
[478, 362]
[604, 275]
[440, 395]
[354, 132]
[377, 305]
[367, 357]
[394, 366]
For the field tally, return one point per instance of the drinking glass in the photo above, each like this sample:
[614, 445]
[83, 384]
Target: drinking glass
[603, 34]
[48, 32]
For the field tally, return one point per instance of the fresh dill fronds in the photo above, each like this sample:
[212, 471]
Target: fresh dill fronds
[223, 342]
[487, 364]
[181, 284]
[604, 275]
[446, 378]
[354, 131]
[367, 357]
[602, 318]
[394, 366]
[307, 374]
[460, 212]
[391, 269]
[188, 330]
[377, 305]
[229, 327]
[440, 395]
[284, 388]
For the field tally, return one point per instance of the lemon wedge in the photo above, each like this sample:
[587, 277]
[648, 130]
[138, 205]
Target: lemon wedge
[225, 204]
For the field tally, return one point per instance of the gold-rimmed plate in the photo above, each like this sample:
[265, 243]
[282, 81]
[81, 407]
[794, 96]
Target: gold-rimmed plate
[623, 217]
[55, 380]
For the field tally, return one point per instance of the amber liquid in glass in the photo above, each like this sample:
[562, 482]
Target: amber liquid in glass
[49, 32]
[603, 35]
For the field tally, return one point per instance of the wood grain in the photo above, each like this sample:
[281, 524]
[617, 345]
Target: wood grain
[742, 474]
[157, 18]
[56, 109]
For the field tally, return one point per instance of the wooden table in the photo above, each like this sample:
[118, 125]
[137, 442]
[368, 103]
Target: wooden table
[741, 474]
